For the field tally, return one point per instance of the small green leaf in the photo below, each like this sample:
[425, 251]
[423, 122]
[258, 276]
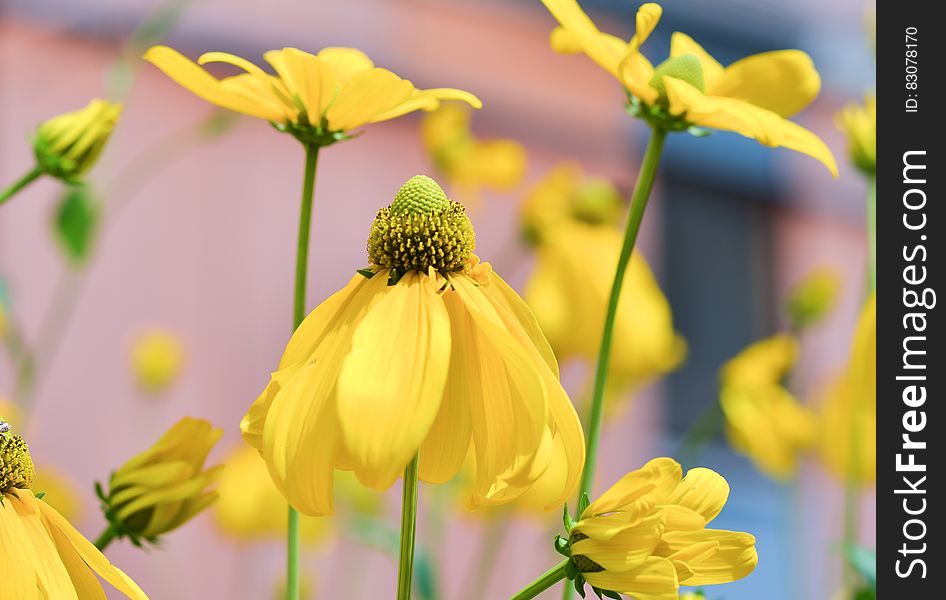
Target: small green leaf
[567, 519]
[40, 495]
[583, 503]
[75, 224]
[366, 273]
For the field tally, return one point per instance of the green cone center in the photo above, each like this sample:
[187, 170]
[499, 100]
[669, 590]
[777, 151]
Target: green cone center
[685, 67]
[16, 465]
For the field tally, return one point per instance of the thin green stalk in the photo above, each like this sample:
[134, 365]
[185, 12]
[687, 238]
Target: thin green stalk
[872, 233]
[478, 577]
[107, 537]
[543, 582]
[20, 184]
[405, 566]
[298, 314]
[645, 182]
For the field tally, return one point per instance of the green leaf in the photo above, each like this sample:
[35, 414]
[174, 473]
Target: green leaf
[567, 519]
[583, 503]
[366, 273]
[75, 224]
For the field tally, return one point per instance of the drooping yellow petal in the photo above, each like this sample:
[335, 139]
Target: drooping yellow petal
[659, 477]
[191, 76]
[656, 579]
[230, 59]
[681, 43]
[395, 372]
[731, 114]
[784, 81]
[578, 33]
[628, 549]
[702, 490]
[365, 96]
[34, 543]
[84, 581]
[426, 100]
[734, 558]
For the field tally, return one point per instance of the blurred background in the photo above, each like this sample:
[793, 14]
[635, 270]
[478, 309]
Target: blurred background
[196, 238]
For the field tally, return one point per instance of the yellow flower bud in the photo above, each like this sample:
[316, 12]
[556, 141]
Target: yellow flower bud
[813, 297]
[165, 486]
[156, 360]
[66, 146]
[859, 124]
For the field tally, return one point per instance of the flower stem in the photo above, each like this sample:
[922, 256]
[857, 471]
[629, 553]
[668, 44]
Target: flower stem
[645, 182]
[107, 537]
[543, 582]
[872, 233]
[20, 184]
[298, 314]
[405, 567]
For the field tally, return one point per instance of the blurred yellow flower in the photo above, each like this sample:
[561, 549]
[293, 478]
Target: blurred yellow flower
[41, 554]
[317, 97]
[763, 420]
[67, 145]
[165, 486]
[428, 350]
[753, 96]
[250, 508]
[646, 536]
[813, 297]
[571, 224]
[470, 164]
[59, 491]
[848, 415]
[859, 124]
[157, 358]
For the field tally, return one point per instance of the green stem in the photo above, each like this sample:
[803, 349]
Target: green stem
[405, 567]
[543, 582]
[298, 314]
[20, 184]
[478, 578]
[107, 537]
[872, 233]
[645, 182]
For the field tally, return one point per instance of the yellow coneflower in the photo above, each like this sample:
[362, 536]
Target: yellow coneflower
[165, 486]
[470, 164]
[318, 97]
[764, 420]
[427, 350]
[859, 124]
[41, 553]
[753, 96]
[156, 360]
[646, 536]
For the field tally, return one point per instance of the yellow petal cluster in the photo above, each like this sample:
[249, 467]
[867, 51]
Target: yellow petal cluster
[422, 361]
[333, 91]
[847, 441]
[859, 124]
[157, 358]
[646, 536]
[165, 486]
[66, 146]
[764, 420]
[470, 164]
[753, 96]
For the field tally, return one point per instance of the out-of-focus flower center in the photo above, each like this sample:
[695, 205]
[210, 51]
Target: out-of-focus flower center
[685, 67]
[421, 229]
[16, 465]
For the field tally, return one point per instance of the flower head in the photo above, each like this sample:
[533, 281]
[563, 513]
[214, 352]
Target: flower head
[847, 441]
[426, 351]
[165, 486]
[764, 420]
[468, 163]
[859, 123]
[753, 96]
[66, 146]
[646, 536]
[42, 555]
[316, 97]
[156, 360]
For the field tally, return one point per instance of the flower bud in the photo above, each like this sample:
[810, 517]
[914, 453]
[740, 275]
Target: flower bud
[67, 146]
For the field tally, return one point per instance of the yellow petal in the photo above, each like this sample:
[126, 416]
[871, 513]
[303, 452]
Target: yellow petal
[345, 62]
[629, 548]
[30, 539]
[607, 526]
[517, 312]
[365, 96]
[305, 76]
[734, 558]
[680, 518]
[266, 91]
[656, 579]
[192, 77]
[730, 114]
[86, 584]
[427, 100]
[392, 381]
[230, 59]
[784, 81]
[659, 477]
[703, 491]
[579, 33]
[681, 43]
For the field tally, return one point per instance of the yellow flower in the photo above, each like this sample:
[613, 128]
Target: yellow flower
[813, 297]
[67, 145]
[848, 416]
[753, 96]
[41, 553]
[316, 97]
[468, 163]
[156, 360]
[763, 420]
[250, 508]
[571, 223]
[859, 124]
[647, 535]
[165, 486]
[428, 350]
